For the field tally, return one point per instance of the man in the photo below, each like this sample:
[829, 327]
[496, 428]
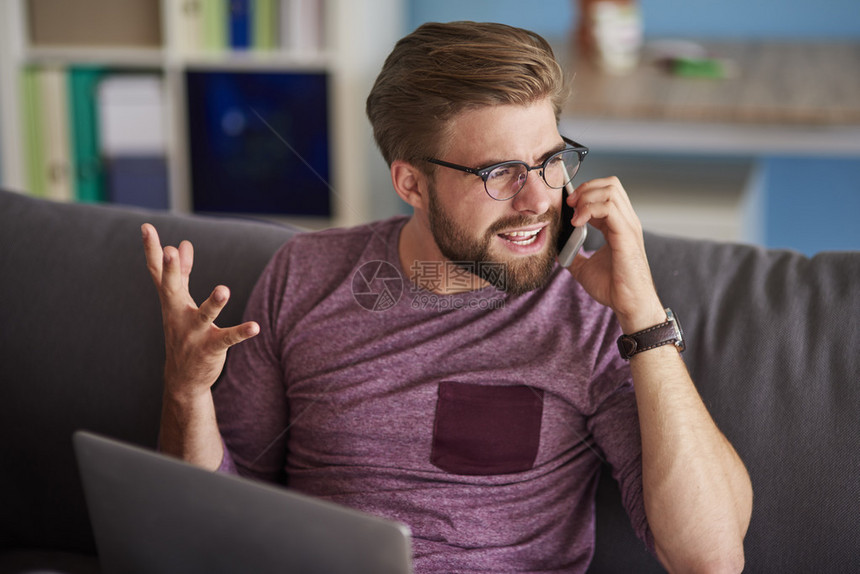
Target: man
[478, 406]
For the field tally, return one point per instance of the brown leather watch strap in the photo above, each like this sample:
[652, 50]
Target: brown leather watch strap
[652, 337]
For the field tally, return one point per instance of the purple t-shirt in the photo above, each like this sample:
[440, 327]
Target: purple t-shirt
[479, 419]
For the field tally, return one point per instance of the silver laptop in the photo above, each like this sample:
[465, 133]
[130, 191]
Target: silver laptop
[154, 514]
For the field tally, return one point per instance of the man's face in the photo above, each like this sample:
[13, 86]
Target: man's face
[468, 225]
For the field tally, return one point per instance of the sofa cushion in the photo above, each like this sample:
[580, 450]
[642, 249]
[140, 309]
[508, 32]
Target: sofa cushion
[772, 345]
[81, 344]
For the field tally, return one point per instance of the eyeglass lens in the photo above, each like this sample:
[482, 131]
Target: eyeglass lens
[507, 180]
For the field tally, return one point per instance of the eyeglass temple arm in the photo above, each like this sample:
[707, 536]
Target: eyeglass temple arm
[454, 166]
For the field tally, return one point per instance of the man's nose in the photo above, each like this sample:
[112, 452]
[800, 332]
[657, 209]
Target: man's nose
[536, 196]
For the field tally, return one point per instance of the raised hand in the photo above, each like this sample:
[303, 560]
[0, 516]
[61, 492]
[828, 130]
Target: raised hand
[195, 347]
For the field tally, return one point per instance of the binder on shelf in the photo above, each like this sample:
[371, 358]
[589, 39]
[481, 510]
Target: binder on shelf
[141, 181]
[260, 25]
[302, 26]
[33, 130]
[259, 142]
[45, 122]
[86, 152]
[240, 24]
[187, 17]
[264, 17]
[133, 143]
[55, 107]
[214, 20]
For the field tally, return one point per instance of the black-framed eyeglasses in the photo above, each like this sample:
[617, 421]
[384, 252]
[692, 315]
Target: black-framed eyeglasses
[504, 180]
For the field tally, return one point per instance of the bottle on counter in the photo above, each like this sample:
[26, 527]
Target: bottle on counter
[609, 34]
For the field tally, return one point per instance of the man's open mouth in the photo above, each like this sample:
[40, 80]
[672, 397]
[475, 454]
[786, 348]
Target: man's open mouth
[521, 237]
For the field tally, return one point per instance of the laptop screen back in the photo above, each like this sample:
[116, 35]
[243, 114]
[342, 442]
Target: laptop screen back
[153, 514]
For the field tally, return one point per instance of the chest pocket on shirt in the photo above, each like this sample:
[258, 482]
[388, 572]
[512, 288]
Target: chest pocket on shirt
[483, 430]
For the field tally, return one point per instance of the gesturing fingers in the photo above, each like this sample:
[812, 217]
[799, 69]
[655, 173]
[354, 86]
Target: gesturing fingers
[169, 267]
[195, 347]
[186, 262]
[239, 333]
[171, 275]
[153, 252]
[176, 274]
[211, 307]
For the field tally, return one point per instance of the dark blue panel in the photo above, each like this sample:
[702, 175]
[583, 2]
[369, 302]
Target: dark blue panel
[259, 142]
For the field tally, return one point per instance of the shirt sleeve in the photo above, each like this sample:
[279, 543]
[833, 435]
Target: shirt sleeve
[250, 398]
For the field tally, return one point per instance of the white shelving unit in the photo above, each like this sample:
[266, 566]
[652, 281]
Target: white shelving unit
[358, 36]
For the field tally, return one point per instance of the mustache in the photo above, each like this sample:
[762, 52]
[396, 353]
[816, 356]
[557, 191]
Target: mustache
[551, 216]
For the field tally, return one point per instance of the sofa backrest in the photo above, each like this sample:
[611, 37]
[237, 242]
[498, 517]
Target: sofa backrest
[81, 343]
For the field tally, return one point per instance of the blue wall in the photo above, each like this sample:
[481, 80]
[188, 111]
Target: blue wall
[792, 19]
[813, 204]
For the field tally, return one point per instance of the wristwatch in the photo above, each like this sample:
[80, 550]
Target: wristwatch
[653, 337]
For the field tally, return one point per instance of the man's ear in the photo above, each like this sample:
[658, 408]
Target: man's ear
[409, 183]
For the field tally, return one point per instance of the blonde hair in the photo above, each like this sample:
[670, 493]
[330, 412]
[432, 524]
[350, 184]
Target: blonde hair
[441, 70]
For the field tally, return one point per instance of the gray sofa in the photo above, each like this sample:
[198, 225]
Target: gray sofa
[773, 340]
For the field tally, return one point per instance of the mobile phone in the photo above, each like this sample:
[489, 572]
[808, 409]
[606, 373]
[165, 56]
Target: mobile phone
[570, 238]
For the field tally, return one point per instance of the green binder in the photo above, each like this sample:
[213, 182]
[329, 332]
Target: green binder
[34, 134]
[84, 133]
[265, 20]
[214, 24]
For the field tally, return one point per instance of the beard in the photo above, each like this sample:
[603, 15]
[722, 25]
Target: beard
[519, 274]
